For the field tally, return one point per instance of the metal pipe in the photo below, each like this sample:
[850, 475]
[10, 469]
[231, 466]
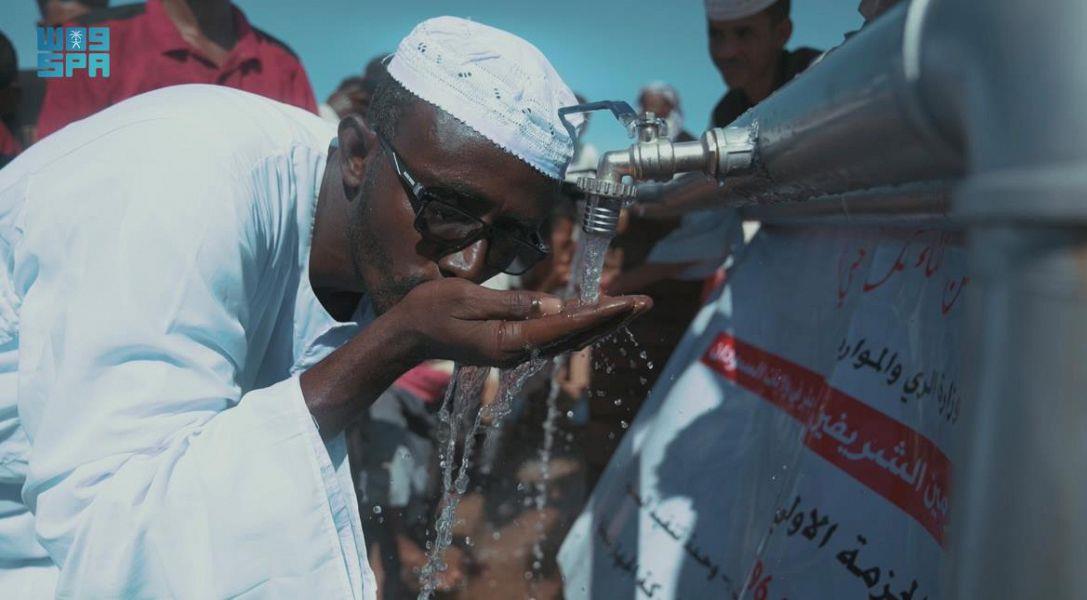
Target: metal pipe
[614, 166]
[914, 205]
[1015, 99]
[854, 120]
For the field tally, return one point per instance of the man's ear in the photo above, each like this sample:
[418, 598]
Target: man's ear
[783, 31]
[358, 143]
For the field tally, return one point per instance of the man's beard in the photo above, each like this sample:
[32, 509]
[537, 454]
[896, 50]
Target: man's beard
[365, 250]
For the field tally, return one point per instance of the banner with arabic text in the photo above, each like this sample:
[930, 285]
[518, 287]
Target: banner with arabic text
[797, 443]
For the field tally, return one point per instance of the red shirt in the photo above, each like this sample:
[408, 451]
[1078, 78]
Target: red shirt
[425, 382]
[147, 52]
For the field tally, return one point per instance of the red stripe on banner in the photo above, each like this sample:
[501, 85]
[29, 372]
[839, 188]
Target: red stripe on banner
[881, 453]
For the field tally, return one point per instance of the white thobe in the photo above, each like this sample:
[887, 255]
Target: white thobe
[155, 312]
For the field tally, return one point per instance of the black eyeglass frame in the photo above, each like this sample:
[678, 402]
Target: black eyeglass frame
[420, 197]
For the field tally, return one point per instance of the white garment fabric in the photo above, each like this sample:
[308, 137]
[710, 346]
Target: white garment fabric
[495, 82]
[328, 113]
[155, 312]
[730, 10]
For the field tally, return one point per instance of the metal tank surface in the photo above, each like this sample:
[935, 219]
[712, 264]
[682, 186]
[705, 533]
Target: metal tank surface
[970, 116]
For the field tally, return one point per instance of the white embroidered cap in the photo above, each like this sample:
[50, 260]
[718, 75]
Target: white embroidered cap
[493, 81]
[730, 10]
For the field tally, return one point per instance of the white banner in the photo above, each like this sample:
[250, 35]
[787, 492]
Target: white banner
[797, 444]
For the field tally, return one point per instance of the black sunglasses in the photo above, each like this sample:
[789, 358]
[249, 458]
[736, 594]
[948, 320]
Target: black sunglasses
[441, 222]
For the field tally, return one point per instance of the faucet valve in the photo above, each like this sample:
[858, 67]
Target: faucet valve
[721, 153]
[592, 186]
[606, 200]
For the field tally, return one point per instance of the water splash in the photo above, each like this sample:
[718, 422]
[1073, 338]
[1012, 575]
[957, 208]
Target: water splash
[511, 382]
[460, 404]
[468, 383]
[464, 397]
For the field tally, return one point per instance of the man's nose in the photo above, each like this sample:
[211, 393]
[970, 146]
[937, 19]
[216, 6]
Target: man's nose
[469, 263]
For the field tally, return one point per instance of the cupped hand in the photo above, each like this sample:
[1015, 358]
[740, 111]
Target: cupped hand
[457, 320]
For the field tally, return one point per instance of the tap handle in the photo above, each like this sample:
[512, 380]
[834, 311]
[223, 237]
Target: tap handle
[622, 111]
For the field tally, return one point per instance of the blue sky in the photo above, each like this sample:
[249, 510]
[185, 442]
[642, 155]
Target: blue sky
[605, 50]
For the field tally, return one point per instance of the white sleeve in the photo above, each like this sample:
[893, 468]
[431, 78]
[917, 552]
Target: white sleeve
[146, 306]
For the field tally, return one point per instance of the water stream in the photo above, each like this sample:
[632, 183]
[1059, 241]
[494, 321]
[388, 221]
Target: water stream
[464, 397]
[549, 426]
[461, 404]
[590, 265]
[511, 382]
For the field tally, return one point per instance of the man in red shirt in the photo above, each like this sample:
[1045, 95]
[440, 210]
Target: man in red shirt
[170, 42]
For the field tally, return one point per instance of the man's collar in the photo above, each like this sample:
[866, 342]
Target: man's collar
[247, 46]
[167, 38]
[782, 76]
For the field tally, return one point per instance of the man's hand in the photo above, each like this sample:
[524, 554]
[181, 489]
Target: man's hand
[458, 320]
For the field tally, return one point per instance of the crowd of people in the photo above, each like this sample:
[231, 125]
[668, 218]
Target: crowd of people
[497, 550]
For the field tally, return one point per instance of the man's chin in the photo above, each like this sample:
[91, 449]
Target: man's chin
[734, 82]
[733, 76]
[386, 296]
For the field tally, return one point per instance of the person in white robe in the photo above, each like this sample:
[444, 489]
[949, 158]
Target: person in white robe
[200, 288]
